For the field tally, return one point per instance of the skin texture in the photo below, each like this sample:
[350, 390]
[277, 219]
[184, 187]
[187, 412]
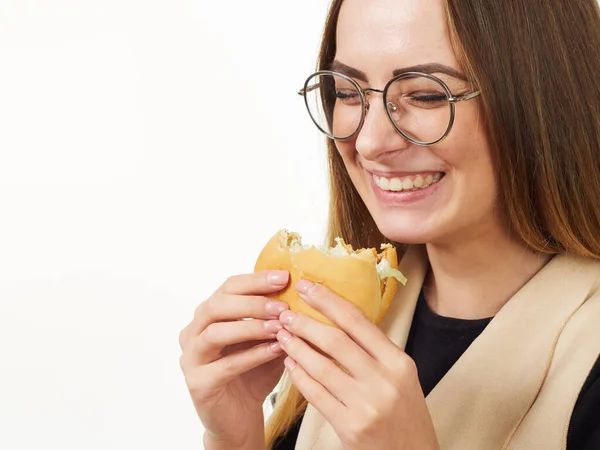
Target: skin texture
[230, 364]
[374, 399]
[461, 223]
[377, 37]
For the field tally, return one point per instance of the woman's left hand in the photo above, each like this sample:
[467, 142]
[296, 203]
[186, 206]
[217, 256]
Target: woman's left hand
[377, 401]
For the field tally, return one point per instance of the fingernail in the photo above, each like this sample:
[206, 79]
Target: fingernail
[278, 278]
[289, 363]
[274, 308]
[283, 336]
[275, 347]
[273, 326]
[304, 287]
[287, 317]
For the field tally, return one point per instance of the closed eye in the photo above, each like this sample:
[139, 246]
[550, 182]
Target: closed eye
[429, 98]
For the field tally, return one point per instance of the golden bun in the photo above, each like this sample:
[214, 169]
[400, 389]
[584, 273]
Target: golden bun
[364, 277]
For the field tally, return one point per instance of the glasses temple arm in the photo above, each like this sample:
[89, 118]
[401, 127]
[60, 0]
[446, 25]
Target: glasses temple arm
[464, 97]
[309, 89]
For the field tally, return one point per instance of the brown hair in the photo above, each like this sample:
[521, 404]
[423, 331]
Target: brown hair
[535, 63]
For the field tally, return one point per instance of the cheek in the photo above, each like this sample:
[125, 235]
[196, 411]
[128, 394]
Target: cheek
[347, 151]
[467, 148]
[475, 155]
[350, 158]
[345, 148]
[469, 155]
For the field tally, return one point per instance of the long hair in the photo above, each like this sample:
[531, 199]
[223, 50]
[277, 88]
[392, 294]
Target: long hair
[535, 63]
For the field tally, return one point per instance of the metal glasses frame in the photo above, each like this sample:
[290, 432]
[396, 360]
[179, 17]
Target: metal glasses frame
[452, 100]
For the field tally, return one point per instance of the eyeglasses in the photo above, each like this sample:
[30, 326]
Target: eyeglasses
[420, 106]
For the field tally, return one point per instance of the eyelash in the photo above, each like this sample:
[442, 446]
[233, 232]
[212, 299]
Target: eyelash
[430, 98]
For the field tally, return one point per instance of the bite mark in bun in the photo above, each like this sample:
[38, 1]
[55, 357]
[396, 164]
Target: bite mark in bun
[364, 277]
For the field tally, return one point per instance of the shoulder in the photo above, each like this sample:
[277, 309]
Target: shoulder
[568, 277]
[587, 272]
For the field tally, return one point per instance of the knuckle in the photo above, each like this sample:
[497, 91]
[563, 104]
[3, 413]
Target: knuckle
[229, 366]
[208, 309]
[183, 364]
[354, 316]
[322, 371]
[336, 341]
[403, 373]
[405, 367]
[229, 281]
[316, 396]
[390, 391]
[211, 334]
[183, 338]
[190, 370]
[368, 415]
[201, 308]
[229, 286]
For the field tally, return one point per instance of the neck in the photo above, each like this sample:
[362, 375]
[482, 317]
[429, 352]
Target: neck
[473, 278]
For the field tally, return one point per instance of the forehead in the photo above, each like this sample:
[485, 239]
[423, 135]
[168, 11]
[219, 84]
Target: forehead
[378, 36]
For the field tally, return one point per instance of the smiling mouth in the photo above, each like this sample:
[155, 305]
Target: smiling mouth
[408, 183]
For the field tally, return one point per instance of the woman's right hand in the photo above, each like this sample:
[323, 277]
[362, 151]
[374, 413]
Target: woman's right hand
[231, 365]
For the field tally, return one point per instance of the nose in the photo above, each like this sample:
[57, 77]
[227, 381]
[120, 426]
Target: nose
[378, 136]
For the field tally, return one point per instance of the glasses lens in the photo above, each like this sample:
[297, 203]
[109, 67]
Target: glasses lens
[335, 105]
[419, 107]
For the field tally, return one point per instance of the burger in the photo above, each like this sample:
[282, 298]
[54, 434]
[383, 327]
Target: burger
[365, 277]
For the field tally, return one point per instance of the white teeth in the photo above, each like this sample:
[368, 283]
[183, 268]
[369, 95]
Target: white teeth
[397, 184]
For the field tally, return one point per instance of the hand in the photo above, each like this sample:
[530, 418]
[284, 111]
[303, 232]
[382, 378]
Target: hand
[230, 364]
[371, 394]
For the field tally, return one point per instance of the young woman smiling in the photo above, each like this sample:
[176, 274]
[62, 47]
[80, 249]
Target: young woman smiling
[468, 135]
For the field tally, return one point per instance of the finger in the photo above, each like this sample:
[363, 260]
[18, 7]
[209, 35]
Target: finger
[258, 283]
[211, 342]
[349, 318]
[224, 370]
[316, 394]
[227, 307]
[333, 342]
[320, 368]
[243, 346]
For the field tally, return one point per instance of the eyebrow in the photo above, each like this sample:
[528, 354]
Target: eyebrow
[428, 68]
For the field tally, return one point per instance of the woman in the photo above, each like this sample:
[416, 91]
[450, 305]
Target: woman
[480, 161]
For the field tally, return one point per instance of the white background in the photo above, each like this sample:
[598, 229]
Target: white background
[148, 149]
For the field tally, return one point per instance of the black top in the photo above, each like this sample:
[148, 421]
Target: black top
[436, 342]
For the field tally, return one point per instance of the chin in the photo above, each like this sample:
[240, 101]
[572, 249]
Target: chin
[405, 228]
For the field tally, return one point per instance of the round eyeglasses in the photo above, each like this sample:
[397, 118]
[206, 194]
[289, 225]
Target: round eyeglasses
[419, 105]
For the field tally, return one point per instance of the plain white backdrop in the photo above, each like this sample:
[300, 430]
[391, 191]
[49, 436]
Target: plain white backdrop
[148, 149]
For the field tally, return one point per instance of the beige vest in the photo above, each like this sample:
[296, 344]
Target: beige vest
[516, 385]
